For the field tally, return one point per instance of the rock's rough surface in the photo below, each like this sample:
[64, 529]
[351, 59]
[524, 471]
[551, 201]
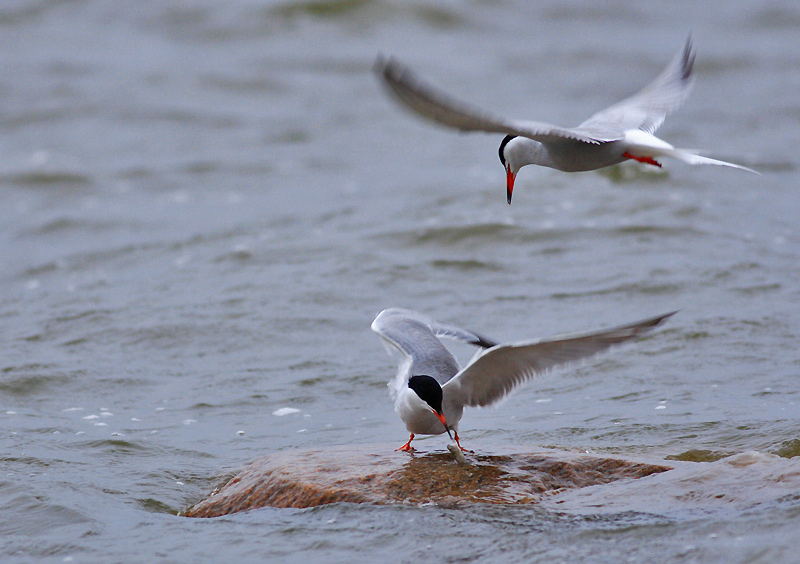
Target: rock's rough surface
[379, 475]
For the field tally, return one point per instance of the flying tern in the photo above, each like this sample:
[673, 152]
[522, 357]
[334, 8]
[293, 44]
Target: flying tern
[431, 391]
[618, 133]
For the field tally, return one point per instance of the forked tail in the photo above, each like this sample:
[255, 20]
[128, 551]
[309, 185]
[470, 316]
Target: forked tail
[692, 158]
[643, 146]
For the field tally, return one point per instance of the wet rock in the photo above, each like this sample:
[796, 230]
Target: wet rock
[744, 482]
[380, 475]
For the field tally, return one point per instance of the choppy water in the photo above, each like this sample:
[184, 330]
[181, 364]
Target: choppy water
[204, 205]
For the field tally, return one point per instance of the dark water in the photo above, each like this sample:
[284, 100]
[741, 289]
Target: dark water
[205, 204]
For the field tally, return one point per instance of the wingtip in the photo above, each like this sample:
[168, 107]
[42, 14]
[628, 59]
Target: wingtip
[388, 68]
[661, 318]
[380, 63]
[670, 314]
[689, 55]
[654, 322]
[484, 342]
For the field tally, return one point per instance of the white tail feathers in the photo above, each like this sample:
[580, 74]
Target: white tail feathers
[694, 159]
[642, 144]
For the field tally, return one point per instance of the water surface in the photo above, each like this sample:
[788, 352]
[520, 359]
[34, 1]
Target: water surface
[204, 205]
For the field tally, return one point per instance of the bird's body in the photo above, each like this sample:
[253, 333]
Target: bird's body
[618, 133]
[431, 390]
[567, 156]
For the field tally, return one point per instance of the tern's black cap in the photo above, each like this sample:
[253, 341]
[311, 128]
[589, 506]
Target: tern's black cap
[428, 390]
[503, 144]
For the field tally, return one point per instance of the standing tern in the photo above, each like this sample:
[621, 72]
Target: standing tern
[430, 390]
[618, 133]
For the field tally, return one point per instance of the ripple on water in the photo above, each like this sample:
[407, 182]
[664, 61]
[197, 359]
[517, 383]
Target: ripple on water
[370, 10]
[34, 515]
[47, 179]
[493, 234]
[467, 265]
[636, 288]
[788, 449]
[483, 234]
[32, 380]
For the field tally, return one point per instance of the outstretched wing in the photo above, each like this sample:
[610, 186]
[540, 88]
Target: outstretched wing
[416, 336]
[494, 373]
[433, 104]
[647, 109]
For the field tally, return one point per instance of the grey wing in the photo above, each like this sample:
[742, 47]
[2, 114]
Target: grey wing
[433, 104]
[493, 374]
[404, 318]
[407, 332]
[647, 109]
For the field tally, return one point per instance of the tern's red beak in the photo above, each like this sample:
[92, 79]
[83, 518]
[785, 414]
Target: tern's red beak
[440, 416]
[509, 184]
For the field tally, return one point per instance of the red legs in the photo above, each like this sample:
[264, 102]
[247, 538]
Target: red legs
[645, 160]
[407, 447]
[459, 444]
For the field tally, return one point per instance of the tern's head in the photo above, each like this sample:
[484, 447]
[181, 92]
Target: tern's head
[510, 164]
[430, 392]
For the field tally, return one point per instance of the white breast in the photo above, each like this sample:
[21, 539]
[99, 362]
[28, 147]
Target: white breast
[416, 414]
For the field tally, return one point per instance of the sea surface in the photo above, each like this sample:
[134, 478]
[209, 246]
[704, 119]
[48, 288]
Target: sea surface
[203, 206]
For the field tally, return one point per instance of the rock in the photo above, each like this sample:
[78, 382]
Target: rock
[380, 475]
